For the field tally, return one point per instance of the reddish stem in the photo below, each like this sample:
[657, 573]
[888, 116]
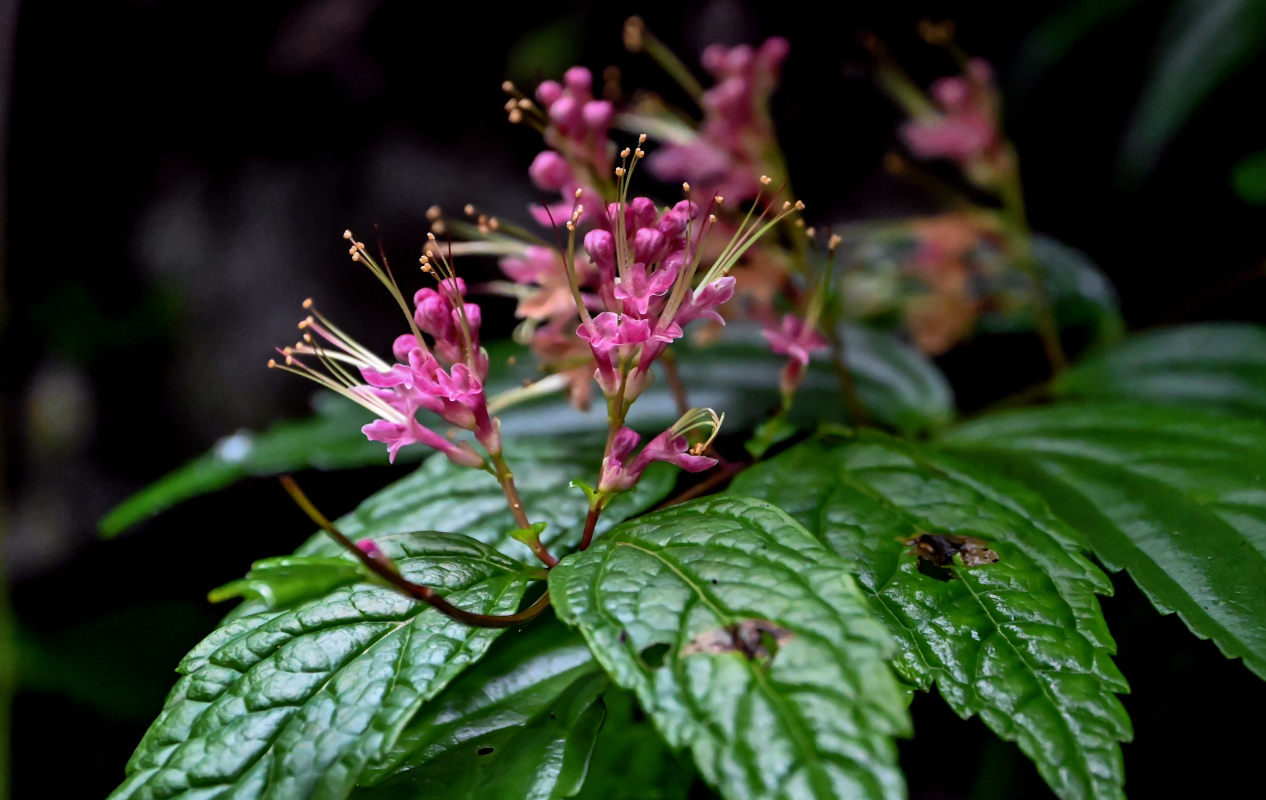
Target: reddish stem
[591, 522]
[417, 591]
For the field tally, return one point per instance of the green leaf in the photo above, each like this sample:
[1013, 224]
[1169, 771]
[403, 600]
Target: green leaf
[441, 494]
[331, 439]
[630, 761]
[738, 375]
[1173, 496]
[745, 640]
[1216, 365]
[280, 581]
[546, 757]
[899, 387]
[1081, 296]
[522, 678]
[1021, 642]
[297, 703]
[1249, 178]
[509, 701]
[1201, 45]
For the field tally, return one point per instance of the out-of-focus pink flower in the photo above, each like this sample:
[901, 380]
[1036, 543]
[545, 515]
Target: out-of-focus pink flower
[964, 128]
[795, 339]
[730, 152]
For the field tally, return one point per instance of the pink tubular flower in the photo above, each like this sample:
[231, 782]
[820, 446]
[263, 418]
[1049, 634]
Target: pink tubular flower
[795, 339]
[620, 473]
[577, 126]
[445, 378]
[729, 153]
[964, 128]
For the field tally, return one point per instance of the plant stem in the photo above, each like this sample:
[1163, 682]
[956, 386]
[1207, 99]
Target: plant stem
[848, 386]
[639, 37]
[1020, 242]
[506, 478]
[417, 591]
[591, 522]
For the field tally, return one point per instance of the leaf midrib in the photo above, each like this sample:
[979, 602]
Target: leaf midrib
[788, 715]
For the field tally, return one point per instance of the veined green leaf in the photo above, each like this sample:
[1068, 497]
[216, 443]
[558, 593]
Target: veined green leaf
[544, 758]
[511, 702]
[523, 677]
[1210, 365]
[441, 494]
[1021, 642]
[738, 375]
[1080, 295]
[630, 761]
[297, 702]
[747, 641]
[280, 581]
[1177, 497]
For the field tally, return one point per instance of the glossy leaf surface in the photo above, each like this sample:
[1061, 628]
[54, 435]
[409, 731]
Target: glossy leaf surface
[523, 676]
[1021, 642]
[277, 582]
[297, 702]
[442, 495]
[1209, 366]
[1174, 496]
[747, 641]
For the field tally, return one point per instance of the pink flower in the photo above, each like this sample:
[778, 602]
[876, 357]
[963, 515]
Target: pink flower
[638, 286]
[397, 435]
[965, 129]
[445, 378]
[703, 302]
[609, 330]
[620, 473]
[795, 339]
[729, 154]
[551, 172]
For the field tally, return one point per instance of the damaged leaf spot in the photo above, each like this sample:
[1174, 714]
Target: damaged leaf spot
[483, 751]
[653, 656]
[939, 549]
[754, 638]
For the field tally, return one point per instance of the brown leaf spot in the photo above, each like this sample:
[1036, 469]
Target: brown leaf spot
[940, 549]
[754, 638]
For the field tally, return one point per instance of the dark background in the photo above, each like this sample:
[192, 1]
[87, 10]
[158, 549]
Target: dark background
[177, 178]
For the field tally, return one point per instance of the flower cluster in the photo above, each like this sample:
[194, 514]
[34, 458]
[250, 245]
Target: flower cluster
[445, 377]
[576, 126]
[733, 144]
[959, 120]
[602, 310]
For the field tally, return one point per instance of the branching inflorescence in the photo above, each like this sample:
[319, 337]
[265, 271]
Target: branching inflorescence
[625, 280]
[625, 277]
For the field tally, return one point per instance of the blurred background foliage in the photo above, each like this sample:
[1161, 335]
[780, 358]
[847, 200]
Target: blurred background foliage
[177, 176]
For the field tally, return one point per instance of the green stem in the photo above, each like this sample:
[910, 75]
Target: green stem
[506, 478]
[1020, 241]
[638, 38]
